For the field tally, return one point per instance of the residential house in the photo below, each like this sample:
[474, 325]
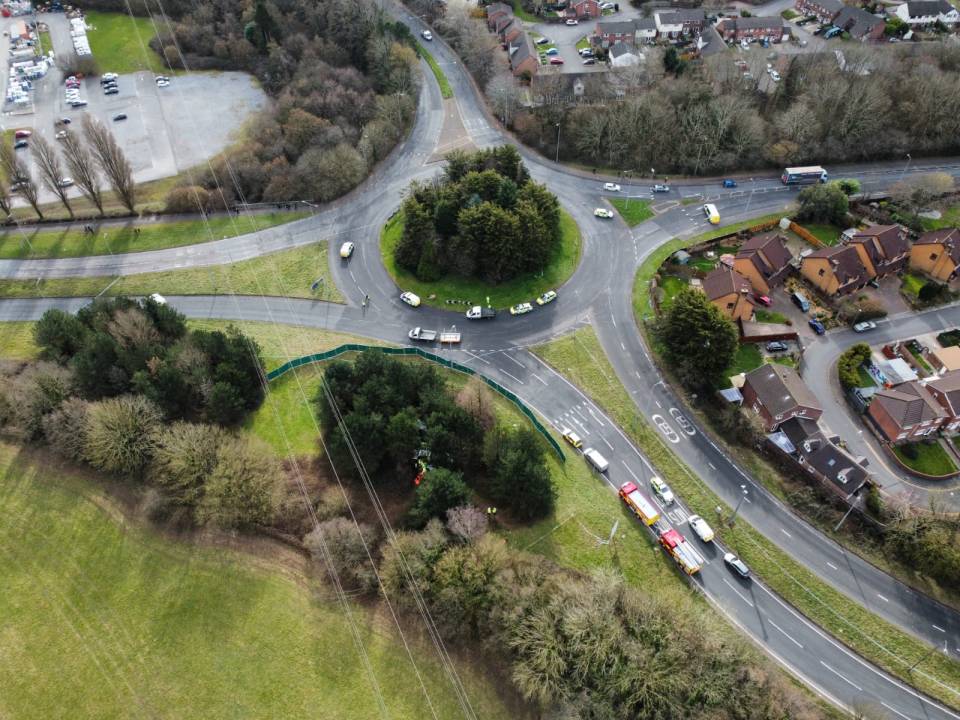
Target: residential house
[495, 11]
[803, 442]
[646, 30]
[680, 22]
[944, 360]
[946, 391]
[776, 393]
[824, 10]
[523, 57]
[730, 292]
[753, 28]
[906, 412]
[883, 249]
[623, 55]
[937, 253]
[502, 25]
[610, 33]
[709, 42]
[583, 9]
[764, 260]
[923, 13]
[835, 270]
[860, 24]
[510, 34]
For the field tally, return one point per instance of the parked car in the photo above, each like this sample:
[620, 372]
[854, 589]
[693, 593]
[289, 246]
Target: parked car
[862, 327]
[737, 565]
[728, 183]
[161, 78]
[612, 187]
[661, 188]
[590, 61]
[66, 182]
[800, 301]
[478, 312]
[548, 297]
[572, 21]
[20, 134]
[346, 250]
[163, 83]
[603, 213]
[762, 299]
[521, 309]
[111, 91]
[775, 76]
[585, 52]
[120, 116]
[817, 326]
[78, 103]
[556, 60]
[410, 299]
[158, 299]
[776, 346]
[832, 32]
[60, 135]
[662, 490]
[427, 35]
[552, 51]
[542, 41]
[20, 144]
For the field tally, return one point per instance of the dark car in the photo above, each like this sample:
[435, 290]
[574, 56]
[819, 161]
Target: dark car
[20, 144]
[776, 346]
[121, 116]
[817, 326]
[729, 183]
[111, 91]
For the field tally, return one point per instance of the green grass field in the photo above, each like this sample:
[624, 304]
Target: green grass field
[16, 341]
[670, 285]
[950, 217]
[931, 459]
[121, 43]
[581, 359]
[632, 211]
[912, 284]
[521, 289]
[446, 91]
[37, 242]
[748, 358]
[827, 234]
[287, 273]
[109, 619]
[523, 14]
[770, 316]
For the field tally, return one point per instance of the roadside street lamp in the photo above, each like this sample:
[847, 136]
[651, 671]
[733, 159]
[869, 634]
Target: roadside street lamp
[906, 167]
[743, 489]
[931, 652]
[558, 144]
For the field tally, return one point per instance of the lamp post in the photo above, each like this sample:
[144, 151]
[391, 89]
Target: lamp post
[931, 652]
[743, 489]
[906, 167]
[557, 159]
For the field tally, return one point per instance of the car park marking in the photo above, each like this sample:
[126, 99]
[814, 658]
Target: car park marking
[786, 533]
[665, 428]
[682, 421]
[658, 404]
[788, 636]
[846, 680]
[742, 596]
[632, 473]
[937, 627]
[882, 597]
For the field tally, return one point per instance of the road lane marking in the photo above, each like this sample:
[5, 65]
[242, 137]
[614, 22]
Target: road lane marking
[514, 360]
[539, 378]
[937, 627]
[511, 376]
[894, 710]
[632, 473]
[607, 442]
[658, 404]
[830, 564]
[712, 466]
[622, 346]
[786, 533]
[742, 596]
[882, 597]
[846, 680]
[476, 356]
[788, 636]
[599, 422]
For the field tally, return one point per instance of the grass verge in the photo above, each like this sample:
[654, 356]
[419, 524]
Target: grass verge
[931, 459]
[102, 615]
[632, 211]
[288, 273]
[521, 289]
[121, 43]
[38, 242]
[770, 316]
[580, 357]
[16, 341]
[446, 91]
[829, 235]
[949, 217]
[519, 12]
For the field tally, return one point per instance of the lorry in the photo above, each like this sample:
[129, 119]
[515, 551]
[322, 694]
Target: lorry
[430, 335]
[635, 500]
[478, 312]
[687, 557]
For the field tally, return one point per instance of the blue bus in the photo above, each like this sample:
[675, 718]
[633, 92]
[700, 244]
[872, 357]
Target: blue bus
[804, 175]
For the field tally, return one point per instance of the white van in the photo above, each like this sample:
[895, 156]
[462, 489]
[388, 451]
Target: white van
[713, 215]
[598, 461]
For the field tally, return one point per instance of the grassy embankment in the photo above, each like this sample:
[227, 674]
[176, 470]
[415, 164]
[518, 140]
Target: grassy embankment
[632, 211]
[446, 92]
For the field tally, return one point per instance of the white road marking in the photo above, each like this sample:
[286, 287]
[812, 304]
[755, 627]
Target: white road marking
[830, 564]
[632, 473]
[599, 422]
[607, 442]
[622, 346]
[539, 378]
[786, 533]
[895, 711]
[882, 597]
[937, 627]
[658, 404]
[510, 357]
[788, 636]
[712, 466]
[742, 596]
[846, 680]
[511, 376]
[476, 357]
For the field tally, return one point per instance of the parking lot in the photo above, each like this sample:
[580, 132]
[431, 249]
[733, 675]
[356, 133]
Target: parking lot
[167, 130]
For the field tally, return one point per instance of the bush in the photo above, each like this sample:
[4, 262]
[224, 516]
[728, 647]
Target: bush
[949, 338]
[853, 311]
[189, 199]
[121, 434]
[184, 457]
[59, 335]
[439, 491]
[347, 546]
[849, 362]
[65, 429]
[933, 292]
[244, 487]
[467, 523]
[34, 393]
[910, 450]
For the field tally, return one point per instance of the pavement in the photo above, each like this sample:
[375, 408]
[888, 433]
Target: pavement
[598, 294]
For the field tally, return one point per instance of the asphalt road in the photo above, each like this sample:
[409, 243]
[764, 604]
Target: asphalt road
[598, 294]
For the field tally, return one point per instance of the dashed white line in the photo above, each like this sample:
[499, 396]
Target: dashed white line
[830, 564]
[882, 597]
[599, 422]
[712, 466]
[632, 473]
[742, 596]
[607, 442]
[846, 680]
[788, 636]
[786, 533]
[510, 357]
[511, 376]
[895, 711]
[937, 627]
[539, 378]
[622, 346]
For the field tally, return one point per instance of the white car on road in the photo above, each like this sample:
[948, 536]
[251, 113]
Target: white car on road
[427, 35]
[612, 187]
[346, 250]
[701, 528]
[603, 213]
[410, 299]
[862, 327]
[662, 490]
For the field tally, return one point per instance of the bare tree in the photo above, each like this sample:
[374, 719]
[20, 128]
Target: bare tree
[51, 169]
[917, 192]
[5, 200]
[19, 176]
[83, 169]
[504, 96]
[111, 160]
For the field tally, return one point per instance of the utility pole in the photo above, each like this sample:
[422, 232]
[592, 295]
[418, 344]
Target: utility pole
[931, 652]
[906, 167]
[743, 489]
[557, 160]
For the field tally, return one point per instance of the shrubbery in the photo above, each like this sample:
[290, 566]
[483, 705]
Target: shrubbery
[851, 359]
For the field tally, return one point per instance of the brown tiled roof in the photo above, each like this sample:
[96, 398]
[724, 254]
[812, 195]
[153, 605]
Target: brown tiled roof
[775, 257]
[948, 237]
[949, 385]
[909, 404]
[723, 281]
[520, 50]
[494, 8]
[890, 240]
[780, 389]
[845, 262]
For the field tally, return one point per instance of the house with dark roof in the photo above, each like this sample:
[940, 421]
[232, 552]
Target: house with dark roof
[682, 21]
[860, 24]
[753, 28]
[776, 393]
[609, 33]
[623, 55]
[804, 443]
[946, 391]
[937, 254]
[883, 249]
[835, 270]
[646, 29]
[764, 260]
[824, 10]
[906, 412]
[730, 292]
[709, 42]
[523, 58]
[495, 11]
[923, 13]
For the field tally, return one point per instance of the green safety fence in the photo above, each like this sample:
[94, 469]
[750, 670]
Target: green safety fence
[354, 347]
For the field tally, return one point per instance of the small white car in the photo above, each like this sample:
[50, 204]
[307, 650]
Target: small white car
[548, 297]
[346, 250]
[158, 299]
[661, 188]
[427, 35]
[701, 528]
[662, 490]
[410, 299]
[612, 187]
[573, 21]
[775, 76]
[66, 182]
[862, 327]
[61, 134]
[737, 565]
[521, 309]
[603, 213]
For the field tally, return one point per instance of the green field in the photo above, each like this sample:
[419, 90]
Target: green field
[950, 217]
[35, 241]
[632, 211]
[446, 91]
[523, 14]
[931, 459]
[121, 43]
[287, 273]
[521, 289]
[581, 359]
[829, 235]
[670, 285]
[748, 358]
[109, 619]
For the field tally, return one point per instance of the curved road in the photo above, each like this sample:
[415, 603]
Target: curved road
[599, 294]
